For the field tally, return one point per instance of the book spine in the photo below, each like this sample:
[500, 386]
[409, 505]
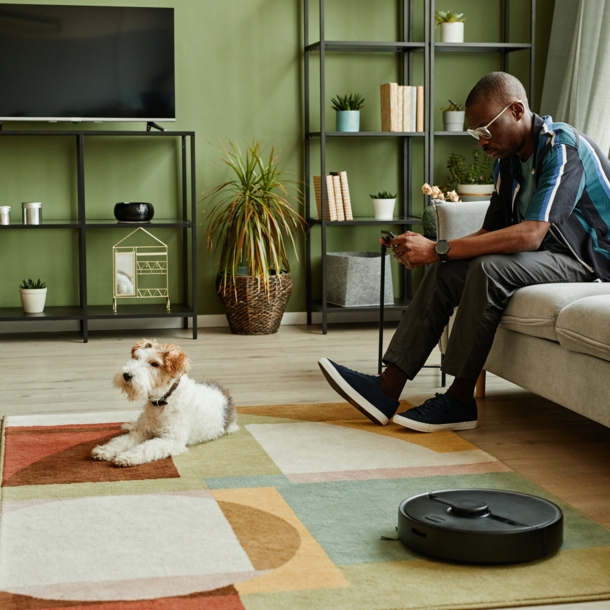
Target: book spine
[394, 107]
[420, 108]
[338, 196]
[399, 104]
[347, 202]
[386, 104]
[317, 188]
[406, 108]
[413, 116]
[330, 198]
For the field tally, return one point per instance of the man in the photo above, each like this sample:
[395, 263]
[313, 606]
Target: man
[547, 222]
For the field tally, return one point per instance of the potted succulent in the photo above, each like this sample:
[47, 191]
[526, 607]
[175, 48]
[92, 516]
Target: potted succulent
[33, 295]
[437, 195]
[383, 204]
[474, 180]
[453, 117]
[253, 219]
[348, 111]
[452, 26]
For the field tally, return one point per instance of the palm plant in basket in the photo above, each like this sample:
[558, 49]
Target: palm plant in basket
[254, 221]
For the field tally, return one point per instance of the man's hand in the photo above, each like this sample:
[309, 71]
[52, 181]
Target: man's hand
[413, 250]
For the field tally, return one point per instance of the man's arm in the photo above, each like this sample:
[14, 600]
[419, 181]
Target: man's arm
[415, 250]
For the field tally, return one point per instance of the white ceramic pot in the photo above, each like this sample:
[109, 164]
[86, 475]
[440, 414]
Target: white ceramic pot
[475, 189]
[453, 120]
[33, 300]
[452, 31]
[384, 208]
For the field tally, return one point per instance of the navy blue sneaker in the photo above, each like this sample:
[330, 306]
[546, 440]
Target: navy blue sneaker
[443, 412]
[362, 391]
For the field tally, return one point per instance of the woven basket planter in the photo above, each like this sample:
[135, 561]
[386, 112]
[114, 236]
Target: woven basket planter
[254, 311]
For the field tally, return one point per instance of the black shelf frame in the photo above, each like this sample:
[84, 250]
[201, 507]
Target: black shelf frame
[405, 47]
[83, 312]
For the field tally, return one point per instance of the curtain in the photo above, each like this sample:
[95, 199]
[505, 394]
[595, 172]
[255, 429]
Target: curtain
[577, 79]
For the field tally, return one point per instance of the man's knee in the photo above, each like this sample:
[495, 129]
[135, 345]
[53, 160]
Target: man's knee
[492, 266]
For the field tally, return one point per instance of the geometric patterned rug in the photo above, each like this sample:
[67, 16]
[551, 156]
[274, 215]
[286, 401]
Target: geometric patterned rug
[289, 512]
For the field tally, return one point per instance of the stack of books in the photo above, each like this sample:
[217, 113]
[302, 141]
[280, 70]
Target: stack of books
[402, 108]
[338, 202]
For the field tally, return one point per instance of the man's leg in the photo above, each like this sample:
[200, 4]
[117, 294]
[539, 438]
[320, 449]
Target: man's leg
[490, 282]
[418, 332]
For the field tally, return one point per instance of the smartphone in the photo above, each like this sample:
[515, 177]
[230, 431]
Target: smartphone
[388, 236]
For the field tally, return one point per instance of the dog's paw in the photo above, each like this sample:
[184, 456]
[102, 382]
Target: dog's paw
[102, 453]
[129, 426]
[127, 459]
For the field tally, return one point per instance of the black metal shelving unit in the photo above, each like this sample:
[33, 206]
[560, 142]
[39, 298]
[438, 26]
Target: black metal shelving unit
[404, 48]
[83, 312]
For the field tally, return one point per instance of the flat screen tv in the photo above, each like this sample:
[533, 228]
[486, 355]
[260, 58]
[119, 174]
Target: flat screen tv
[86, 63]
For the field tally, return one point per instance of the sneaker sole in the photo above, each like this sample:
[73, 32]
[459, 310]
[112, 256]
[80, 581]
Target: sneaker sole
[421, 427]
[344, 389]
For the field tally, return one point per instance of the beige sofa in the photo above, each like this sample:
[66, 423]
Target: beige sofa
[554, 339]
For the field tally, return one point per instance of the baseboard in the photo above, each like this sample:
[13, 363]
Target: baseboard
[293, 318]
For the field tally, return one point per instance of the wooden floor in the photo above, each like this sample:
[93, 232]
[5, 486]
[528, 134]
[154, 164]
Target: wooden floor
[559, 450]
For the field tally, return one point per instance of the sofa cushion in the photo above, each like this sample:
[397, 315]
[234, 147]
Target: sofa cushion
[584, 326]
[533, 310]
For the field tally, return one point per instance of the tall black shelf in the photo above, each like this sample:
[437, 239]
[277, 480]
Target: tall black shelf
[405, 47]
[83, 312]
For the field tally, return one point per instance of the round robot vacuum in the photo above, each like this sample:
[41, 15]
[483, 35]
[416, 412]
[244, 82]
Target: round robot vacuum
[480, 525]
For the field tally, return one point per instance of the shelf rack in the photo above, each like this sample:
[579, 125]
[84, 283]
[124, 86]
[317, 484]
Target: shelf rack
[83, 312]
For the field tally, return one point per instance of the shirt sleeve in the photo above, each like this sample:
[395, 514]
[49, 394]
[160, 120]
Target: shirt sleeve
[495, 216]
[560, 185]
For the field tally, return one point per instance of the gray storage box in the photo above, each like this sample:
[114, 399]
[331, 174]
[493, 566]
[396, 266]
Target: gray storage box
[354, 279]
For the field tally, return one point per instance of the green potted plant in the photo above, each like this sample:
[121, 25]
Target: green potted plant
[453, 117]
[383, 204]
[348, 111]
[253, 220]
[33, 295]
[473, 180]
[452, 25]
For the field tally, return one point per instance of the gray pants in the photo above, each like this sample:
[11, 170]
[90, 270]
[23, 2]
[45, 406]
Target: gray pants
[481, 287]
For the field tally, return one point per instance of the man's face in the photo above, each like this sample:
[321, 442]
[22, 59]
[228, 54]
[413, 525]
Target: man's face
[506, 137]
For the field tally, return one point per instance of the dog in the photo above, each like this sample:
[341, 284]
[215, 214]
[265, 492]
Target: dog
[179, 411]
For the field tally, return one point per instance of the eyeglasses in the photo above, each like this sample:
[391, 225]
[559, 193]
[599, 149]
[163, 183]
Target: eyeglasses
[483, 132]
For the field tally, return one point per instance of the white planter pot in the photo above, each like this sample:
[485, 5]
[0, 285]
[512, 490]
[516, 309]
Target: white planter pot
[452, 31]
[453, 120]
[384, 208]
[33, 300]
[475, 192]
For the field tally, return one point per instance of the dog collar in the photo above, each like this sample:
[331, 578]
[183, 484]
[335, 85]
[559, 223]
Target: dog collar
[161, 402]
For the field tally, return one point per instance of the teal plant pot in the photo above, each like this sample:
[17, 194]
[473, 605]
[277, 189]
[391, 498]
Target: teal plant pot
[348, 120]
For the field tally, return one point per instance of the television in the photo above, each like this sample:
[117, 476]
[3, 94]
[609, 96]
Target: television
[86, 63]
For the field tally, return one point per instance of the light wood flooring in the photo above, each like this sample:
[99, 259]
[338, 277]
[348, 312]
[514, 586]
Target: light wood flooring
[559, 450]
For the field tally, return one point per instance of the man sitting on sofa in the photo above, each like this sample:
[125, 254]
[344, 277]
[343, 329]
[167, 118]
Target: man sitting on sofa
[547, 222]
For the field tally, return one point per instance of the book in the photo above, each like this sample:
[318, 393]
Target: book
[413, 118]
[386, 107]
[420, 109]
[338, 195]
[330, 198]
[347, 202]
[406, 108]
[317, 188]
[399, 100]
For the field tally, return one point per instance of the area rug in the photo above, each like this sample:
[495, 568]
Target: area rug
[297, 510]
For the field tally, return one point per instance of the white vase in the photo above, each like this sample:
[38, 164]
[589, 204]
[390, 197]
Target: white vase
[453, 120]
[384, 208]
[452, 31]
[33, 300]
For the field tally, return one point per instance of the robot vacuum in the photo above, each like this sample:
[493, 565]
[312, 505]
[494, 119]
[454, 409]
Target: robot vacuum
[480, 525]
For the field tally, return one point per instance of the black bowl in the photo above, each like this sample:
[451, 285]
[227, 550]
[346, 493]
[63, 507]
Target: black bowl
[134, 211]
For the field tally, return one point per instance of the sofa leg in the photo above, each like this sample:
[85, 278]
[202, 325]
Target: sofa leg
[480, 387]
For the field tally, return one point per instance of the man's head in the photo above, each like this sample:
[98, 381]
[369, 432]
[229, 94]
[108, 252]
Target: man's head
[498, 102]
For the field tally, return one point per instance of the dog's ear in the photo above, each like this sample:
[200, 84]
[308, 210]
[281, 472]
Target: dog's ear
[140, 344]
[175, 360]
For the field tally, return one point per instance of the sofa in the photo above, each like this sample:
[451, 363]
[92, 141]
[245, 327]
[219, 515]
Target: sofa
[554, 339]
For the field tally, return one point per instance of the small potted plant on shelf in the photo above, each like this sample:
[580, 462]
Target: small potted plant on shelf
[33, 295]
[348, 111]
[253, 220]
[453, 117]
[383, 204]
[437, 195]
[452, 26]
[474, 181]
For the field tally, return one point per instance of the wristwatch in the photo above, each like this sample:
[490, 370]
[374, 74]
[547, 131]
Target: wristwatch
[442, 248]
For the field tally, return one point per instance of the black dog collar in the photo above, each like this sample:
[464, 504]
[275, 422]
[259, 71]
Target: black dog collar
[161, 402]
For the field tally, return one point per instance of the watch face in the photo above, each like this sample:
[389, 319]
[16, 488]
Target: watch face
[442, 247]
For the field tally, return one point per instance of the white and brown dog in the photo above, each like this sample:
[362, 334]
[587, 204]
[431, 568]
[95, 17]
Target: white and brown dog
[179, 411]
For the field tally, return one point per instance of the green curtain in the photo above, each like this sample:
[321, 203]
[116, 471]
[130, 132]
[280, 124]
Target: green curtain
[577, 78]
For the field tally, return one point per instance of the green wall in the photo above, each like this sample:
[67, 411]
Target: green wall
[239, 71]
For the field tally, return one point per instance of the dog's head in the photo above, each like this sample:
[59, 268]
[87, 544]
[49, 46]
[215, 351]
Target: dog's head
[152, 370]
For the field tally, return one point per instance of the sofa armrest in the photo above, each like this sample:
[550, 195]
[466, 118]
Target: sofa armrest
[460, 218]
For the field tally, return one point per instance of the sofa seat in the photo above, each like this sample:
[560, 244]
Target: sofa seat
[535, 310]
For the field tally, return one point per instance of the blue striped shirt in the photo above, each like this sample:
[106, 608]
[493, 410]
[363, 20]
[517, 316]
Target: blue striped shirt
[572, 193]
